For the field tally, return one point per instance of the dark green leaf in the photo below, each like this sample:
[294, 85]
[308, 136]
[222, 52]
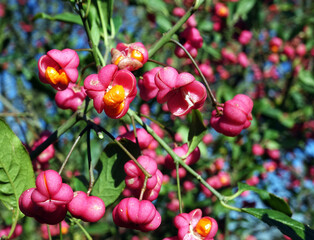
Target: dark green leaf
[110, 182]
[269, 199]
[197, 131]
[62, 17]
[288, 226]
[80, 183]
[16, 170]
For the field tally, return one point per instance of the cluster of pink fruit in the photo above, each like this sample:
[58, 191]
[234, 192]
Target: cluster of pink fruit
[190, 36]
[51, 199]
[114, 87]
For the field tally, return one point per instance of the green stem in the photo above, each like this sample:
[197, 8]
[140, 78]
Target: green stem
[60, 229]
[167, 36]
[104, 23]
[230, 207]
[82, 228]
[134, 131]
[157, 62]
[147, 174]
[229, 198]
[179, 188]
[89, 35]
[49, 233]
[143, 188]
[18, 115]
[210, 92]
[15, 219]
[87, 8]
[83, 50]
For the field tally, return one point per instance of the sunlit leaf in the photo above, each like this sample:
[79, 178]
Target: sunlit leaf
[269, 199]
[62, 17]
[288, 226]
[16, 170]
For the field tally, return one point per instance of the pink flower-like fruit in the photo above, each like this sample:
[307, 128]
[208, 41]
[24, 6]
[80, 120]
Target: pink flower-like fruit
[274, 44]
[59, 68]
[145, 140]
[147, 86]
[50, 192]
[221, 10]
[193, 226]
[245, 37]
[70, 98]
[181, 151]
[181, 91]
[112, 90]
[236, 116]
[257, 150]
[135, 177]
[6, 231]
[87, 208]
[135, 214]
[129, 56]
[47, 202]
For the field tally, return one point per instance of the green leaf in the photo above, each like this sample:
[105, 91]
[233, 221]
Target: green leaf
[288, 226]
[92, 14]
[197, 131]
[155, 6]
[95, 34]
[66, 17]
[16, 170]
[80, 183]
[306, 80]
[117, 22]
[269, 199]
[213, 52]
[163, 22]
[110, 182]
[272, 144]
[243, 8]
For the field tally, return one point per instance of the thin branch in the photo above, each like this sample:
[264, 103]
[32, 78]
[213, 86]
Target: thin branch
[179, 187]
[72, 148]
[91, 167]
[210, 92]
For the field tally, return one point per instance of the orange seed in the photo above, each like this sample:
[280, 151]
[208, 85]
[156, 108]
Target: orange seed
[203, 226]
